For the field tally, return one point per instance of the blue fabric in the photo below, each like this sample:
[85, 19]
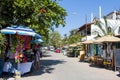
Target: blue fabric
[97, 49]
[21, 30]
[1, 66]
[92, 49]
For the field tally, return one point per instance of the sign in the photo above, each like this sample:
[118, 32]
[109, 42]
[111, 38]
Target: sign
[117, 57]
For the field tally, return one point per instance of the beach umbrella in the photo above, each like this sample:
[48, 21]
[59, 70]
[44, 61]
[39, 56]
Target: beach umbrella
[8, 30]
[79, 43]
[38, 41]
[87, 42]
[107, 38]
[73, 45]
[20, 30]
[66, 46]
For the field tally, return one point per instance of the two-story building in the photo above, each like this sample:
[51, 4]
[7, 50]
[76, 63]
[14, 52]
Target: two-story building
[85, 32]
[89, 31]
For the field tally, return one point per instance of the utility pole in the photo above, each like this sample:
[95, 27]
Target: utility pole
[100, 12]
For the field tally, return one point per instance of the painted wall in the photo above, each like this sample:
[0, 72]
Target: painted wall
[114, 24]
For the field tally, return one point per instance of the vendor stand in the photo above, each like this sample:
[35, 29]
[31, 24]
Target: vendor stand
[111, 58]
[19, 43]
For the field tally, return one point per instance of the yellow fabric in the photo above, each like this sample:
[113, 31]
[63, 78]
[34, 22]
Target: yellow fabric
[82, 54]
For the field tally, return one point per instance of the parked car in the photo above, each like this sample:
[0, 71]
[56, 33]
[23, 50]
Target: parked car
[57, 50]
[51, 48]
[43, 50]
[64, 51]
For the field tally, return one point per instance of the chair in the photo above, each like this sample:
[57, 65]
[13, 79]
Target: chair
[107, 63]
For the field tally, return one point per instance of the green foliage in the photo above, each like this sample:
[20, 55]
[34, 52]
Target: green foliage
[73, 39]
[6, 12]
[40, 15]
[107, 30]
[2, 42]
[55, 39]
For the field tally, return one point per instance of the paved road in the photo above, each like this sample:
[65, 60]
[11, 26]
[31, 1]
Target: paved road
[55, 66]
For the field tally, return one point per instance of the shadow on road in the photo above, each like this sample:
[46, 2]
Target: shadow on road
[118, 75]
[45, 67]
[96, 66]
[46, 55]
[102, 67]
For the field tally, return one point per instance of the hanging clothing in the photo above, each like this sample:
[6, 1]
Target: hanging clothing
[111, 53]
[104, 54]
[10, 55]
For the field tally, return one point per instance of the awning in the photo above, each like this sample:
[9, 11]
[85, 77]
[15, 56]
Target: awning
[20, 30]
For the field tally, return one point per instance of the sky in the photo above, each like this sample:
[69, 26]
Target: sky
[78, 10]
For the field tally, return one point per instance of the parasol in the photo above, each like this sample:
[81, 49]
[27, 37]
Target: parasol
[73, 45]
[37, 41]
[20, 30]
[87, 42]
[108, 38]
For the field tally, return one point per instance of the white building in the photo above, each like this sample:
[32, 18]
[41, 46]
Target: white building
[113, 21]
[114, 24]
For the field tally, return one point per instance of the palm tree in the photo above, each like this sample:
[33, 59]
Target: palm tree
[104, 27]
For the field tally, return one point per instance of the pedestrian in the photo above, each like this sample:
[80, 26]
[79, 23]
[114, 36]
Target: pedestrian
[36, 58]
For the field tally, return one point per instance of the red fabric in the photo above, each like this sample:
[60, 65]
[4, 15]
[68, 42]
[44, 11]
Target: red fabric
[26, 41]
[16, 55]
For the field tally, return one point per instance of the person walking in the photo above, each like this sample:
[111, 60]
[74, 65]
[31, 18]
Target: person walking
[36, 58]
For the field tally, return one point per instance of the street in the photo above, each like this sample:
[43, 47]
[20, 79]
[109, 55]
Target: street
[56, 66]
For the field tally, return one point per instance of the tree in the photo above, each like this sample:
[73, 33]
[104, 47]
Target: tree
[2, 43]
[104, 27]
[72, 38]
[40, 15]
[55, 39]
[64, 40]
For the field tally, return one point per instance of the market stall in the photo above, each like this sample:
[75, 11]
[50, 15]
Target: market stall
[109, 52]
[24, 67]
[19, 52]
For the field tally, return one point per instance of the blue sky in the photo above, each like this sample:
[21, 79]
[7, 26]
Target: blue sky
[78, 9]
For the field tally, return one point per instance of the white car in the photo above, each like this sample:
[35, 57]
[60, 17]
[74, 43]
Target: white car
[51, 48]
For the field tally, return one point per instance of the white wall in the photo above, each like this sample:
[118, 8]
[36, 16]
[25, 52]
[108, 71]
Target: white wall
[114, 24]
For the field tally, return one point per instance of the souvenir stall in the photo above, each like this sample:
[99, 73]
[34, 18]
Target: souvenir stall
[93, 54]
[19, 56]
[109, 52]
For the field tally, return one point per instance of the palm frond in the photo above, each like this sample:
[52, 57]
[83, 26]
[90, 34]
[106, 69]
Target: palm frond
[98, 23]
[106, 23]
